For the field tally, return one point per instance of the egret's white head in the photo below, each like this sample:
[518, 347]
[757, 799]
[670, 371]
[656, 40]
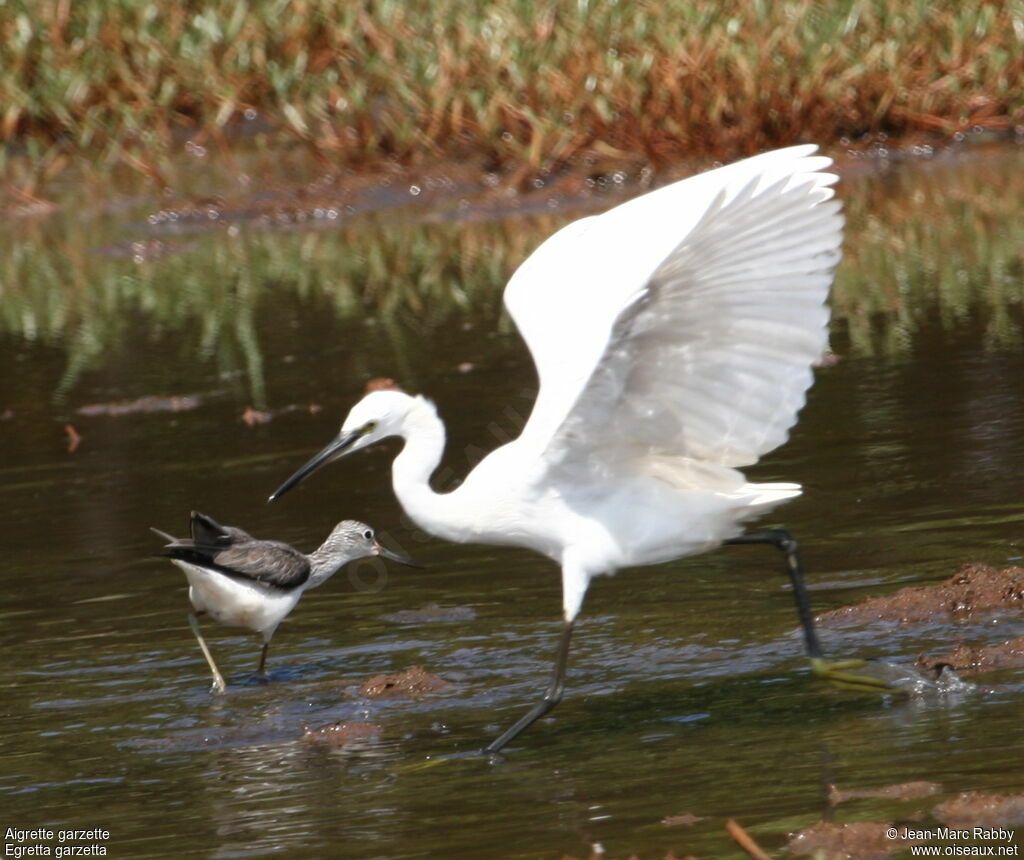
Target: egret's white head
[377, 416]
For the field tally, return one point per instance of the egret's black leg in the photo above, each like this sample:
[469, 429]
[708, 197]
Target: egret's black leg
[218, 680]
[786, 543]
[552, 695]
[834, 671]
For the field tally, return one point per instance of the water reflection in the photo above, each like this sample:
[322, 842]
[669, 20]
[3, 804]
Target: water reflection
[687, 693]
[940, 234]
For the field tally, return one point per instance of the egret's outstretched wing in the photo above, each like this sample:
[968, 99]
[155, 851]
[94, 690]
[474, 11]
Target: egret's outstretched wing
[710, 360]
[646, 258]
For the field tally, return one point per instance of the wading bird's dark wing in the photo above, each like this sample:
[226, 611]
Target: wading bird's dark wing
[266, 561]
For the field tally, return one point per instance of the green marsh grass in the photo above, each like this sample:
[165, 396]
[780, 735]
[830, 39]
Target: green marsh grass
[517, 83]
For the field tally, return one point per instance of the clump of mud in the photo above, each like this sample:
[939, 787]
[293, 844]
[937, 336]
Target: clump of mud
[901, 791]
[974, 588]
[339, 734]
[865, 840]
[974, 809]
[684, 819]
[975, 659]
[412, 682]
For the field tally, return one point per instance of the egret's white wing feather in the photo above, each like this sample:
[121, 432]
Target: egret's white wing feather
[566, 297]
[710, 361]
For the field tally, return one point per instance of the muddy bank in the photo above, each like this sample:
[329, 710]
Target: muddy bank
[974, 589]
[975, 809]
[864, 840]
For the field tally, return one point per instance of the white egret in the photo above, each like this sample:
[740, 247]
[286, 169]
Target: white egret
[673, 338]
[243, 582]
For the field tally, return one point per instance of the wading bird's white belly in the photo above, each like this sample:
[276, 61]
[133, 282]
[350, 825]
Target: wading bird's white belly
[236, 603]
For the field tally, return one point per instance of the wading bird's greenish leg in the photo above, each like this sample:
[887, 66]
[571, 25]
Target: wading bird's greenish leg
[835, 671]
[218, 680]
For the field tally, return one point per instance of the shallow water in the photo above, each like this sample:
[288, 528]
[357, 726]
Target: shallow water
[688, 690]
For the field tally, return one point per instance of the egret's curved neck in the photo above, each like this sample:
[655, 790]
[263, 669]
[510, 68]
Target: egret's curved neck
[410, 474]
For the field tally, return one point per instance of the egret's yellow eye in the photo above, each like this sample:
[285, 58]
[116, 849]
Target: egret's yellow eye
[369, 427]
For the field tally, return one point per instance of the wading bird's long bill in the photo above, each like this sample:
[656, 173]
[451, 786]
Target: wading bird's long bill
[384, 552]
[337, 447]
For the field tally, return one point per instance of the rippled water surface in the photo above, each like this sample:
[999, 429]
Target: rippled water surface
[688, 690]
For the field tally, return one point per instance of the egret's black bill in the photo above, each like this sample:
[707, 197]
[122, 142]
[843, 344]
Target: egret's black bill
[384, 552]
[335, 448]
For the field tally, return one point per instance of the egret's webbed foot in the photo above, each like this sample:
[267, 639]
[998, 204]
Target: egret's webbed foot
[835, 671]
[838, 672]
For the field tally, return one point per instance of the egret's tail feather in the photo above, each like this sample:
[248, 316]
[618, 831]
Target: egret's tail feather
[761, 498]
[686, 473]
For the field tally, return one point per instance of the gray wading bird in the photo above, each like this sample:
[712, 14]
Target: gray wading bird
[673, 337]
[244, 582]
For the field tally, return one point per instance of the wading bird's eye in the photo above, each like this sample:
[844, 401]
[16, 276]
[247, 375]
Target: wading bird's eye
[369, 426]
[368, 534]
